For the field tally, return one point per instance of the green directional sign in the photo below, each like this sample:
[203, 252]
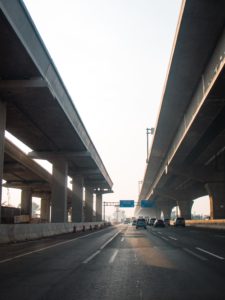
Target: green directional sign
[147, 203]
[126, 203]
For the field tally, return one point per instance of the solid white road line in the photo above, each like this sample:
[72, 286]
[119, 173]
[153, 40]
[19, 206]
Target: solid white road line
[164, 238]
[210, 253]
[195, 254]
[91, 257]
[112, 258]
[106, 243]
[38, 250]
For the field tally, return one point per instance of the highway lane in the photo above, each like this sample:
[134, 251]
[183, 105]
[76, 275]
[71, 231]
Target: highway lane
[119, 263]
[210, 242]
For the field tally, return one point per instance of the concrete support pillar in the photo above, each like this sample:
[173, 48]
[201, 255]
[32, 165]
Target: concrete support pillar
[149, 212]
[185, 207]
[217, 199]
[166, 208]
[2, 138]
[59, 191]
[26, 202]
[77, 199]
[158, 212]
[99, 207]
[45, 208]
[88, 204]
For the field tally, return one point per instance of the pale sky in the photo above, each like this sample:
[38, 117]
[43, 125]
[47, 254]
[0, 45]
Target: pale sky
[112, 56]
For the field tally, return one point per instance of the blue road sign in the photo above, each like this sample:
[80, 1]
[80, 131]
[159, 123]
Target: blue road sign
[147, 203]
[126, 203]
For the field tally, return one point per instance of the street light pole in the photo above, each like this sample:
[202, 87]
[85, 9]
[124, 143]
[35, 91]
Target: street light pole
[139, 186]
[148, 131]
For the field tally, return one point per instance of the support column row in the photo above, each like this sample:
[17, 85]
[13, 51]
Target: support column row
[2, 138]
[79, 213]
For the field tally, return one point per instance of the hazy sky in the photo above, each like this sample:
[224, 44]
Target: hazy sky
[112, 56]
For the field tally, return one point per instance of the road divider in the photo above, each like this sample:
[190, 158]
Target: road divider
[11, 233]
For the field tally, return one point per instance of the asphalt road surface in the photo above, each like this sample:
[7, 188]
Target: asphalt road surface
[117, 263]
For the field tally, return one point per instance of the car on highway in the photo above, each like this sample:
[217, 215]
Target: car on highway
[159, 223]
[151, 221]
[141, 223]
[179, 221]
[167, 221]
[134, 223]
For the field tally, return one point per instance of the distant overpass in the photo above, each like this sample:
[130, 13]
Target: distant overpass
[187, 158]
[36, 108]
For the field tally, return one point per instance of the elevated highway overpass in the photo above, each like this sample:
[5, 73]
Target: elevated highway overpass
[187, 158]
[37, 109]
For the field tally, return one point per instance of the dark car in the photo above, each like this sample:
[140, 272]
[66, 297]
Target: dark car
[167, 221]
[141, 223]
[134, 223]
[151, 221]
[180, 221]
[159, 223]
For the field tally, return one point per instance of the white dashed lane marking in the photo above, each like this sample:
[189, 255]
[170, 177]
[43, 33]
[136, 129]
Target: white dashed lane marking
[210, 253]
[194, 254]
[113, 256]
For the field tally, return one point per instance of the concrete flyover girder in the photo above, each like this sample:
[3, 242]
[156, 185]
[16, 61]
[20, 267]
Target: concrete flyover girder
[182, 195]
[198, 173]
[179, 146]
[20, 171]
[58, 154]
[9, 85]
[40, 111]
[191, 129]
[22, 162]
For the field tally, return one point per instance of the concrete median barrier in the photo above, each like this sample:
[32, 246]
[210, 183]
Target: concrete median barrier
[11, 233]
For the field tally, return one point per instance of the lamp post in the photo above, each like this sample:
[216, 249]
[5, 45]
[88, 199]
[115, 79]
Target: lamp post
[148, 131]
